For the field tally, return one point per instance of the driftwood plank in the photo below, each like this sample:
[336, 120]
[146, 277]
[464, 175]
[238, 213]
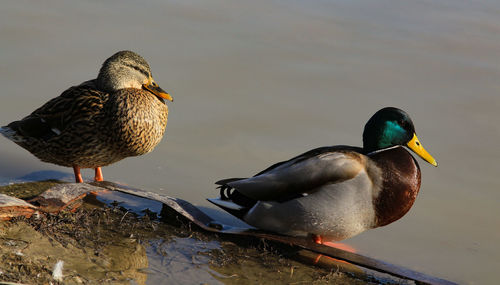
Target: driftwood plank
[65, 196]
[13, 207]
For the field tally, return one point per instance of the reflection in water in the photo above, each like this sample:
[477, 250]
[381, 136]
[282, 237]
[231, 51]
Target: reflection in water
[340, 245]
[260, 82]
[182, 260]
[124, 256]
[45, 175]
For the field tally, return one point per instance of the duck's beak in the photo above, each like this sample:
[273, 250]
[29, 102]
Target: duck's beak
[417, 147]
[155, 89]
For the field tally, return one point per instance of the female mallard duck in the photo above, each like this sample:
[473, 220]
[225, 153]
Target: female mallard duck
[120, 114]
[333, 193]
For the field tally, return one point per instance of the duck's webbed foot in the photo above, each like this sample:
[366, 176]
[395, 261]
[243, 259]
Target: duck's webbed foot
[317, 239]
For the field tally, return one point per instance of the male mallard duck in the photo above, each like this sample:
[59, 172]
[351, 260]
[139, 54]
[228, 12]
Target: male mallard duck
[120, 114]
[333, 193]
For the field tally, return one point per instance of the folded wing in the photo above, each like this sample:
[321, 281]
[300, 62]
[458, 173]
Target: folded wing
[77, 104]
[300, 175]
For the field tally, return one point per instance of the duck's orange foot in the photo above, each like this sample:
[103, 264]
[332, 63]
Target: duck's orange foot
[317, 239]
[78, 175]
[98, 174]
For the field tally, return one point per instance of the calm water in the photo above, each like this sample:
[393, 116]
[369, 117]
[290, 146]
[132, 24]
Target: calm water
[256, 82]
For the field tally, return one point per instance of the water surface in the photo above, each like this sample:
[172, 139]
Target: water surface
[259, 82]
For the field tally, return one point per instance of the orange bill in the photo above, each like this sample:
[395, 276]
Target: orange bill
[155, 89]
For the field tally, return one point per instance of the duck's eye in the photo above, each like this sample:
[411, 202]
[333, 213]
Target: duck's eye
[154, 84]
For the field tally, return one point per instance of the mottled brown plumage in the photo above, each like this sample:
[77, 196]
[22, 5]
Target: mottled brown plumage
[120, 114]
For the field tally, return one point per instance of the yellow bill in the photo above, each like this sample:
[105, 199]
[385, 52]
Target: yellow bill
[417, 147]
[155, 89]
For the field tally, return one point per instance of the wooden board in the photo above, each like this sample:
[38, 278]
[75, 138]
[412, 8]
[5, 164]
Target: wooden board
[13, 207]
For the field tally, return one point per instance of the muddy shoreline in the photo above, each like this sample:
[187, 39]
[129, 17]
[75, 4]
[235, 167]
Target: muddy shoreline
[113, 242]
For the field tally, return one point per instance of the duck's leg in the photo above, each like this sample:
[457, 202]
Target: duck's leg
[78, 175]
[317, 239]
[98, 174]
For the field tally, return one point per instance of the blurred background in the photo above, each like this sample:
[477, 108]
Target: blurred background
[257, 82]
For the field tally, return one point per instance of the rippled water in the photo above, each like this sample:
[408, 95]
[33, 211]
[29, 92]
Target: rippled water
[257, 82]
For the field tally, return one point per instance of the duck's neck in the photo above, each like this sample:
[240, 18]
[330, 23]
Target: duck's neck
[400, 184]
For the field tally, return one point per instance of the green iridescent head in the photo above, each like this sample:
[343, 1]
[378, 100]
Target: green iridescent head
[391, 127]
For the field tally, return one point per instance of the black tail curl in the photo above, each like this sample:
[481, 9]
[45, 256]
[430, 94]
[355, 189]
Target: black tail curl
[228, 193]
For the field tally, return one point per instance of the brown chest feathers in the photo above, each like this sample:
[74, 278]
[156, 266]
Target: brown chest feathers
[400, 184]
[138, 121]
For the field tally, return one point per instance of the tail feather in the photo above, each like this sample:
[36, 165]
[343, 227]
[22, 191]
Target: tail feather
[10, 134]
[228, 180]
[231, 200]
[232, 208]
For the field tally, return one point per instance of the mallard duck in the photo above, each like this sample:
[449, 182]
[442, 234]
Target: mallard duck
[119, 114]
[335, 192]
